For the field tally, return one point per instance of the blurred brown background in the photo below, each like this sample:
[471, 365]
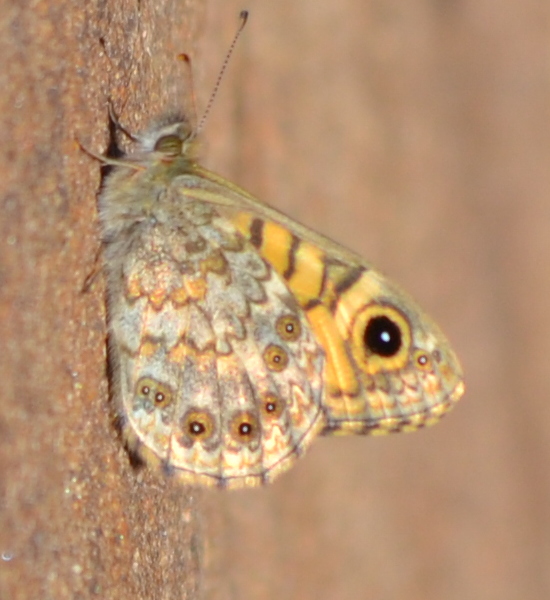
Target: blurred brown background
[415, 133]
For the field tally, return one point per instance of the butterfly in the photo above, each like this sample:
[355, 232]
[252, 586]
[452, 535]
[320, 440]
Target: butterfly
[237, 335]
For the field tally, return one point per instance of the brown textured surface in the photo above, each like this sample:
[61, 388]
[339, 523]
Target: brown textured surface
[76, 521]
[417, 133]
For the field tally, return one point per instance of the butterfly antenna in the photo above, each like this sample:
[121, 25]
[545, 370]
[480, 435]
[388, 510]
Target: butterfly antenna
[244, 18]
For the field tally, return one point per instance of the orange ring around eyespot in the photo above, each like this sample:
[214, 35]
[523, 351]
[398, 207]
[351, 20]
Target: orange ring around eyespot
[289, 328]
[201, 421]
[276, 358]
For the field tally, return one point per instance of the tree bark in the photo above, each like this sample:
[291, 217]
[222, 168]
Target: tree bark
[76, 519]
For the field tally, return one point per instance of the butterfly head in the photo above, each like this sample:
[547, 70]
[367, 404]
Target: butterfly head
[171, 141]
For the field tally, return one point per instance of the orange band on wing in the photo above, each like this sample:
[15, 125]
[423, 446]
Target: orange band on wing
[340, 376]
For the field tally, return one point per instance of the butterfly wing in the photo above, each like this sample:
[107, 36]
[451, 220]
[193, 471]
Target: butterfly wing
[217, 373]
[236, 334]
[388, 366]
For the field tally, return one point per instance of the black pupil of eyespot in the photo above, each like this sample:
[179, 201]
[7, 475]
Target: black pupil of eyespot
[196, 428]
[270, 406]
[145, 390]
[289, 327]
[382, 336]
[245, 429]
[159, 397]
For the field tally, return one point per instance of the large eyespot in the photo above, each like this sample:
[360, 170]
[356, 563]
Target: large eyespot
[289, 328]
[153, 393]
[244, 427]
[381, 337]
[275, 358]
[198, 425]
[171, 145]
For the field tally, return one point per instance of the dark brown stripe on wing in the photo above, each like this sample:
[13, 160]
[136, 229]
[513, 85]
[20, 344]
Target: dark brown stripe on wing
[350, 279]
[345, 282]
[291, 266]
[312, 304]
[257, 232]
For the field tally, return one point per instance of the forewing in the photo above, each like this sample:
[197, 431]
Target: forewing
[388, 366]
